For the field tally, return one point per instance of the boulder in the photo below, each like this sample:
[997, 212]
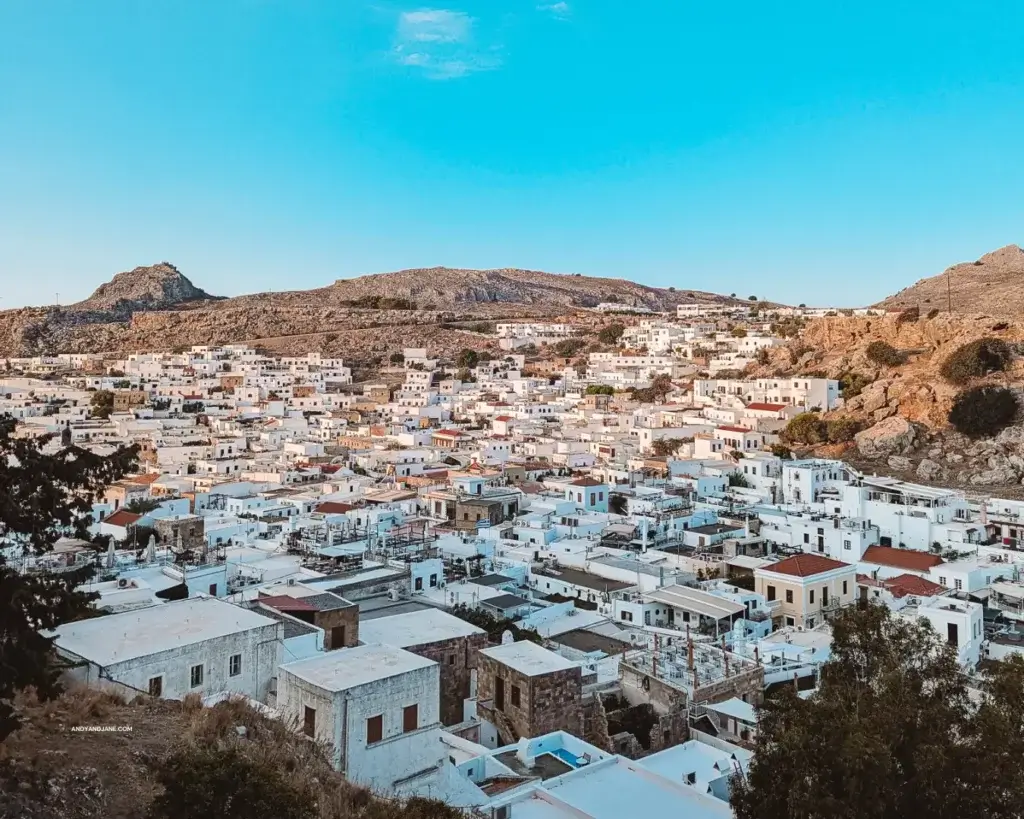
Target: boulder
[892, 436]
[899, 462]
[928, 470]
[993, 477]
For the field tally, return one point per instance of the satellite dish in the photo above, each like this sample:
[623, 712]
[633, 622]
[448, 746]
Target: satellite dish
[506, 638]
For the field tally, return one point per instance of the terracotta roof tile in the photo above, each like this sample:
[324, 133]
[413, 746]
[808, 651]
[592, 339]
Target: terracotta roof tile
[907, 559]
[805, 565]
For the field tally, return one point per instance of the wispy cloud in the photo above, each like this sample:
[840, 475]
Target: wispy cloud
[440, 43]
[560, 10]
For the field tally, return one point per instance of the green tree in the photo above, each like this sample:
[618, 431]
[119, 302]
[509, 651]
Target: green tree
[396, 358]
[599, 389]
[101, 404]
[141, 506]
[43, 496]
[841, 430]
[891, 732]
[805, 428]
[982, 412]
[664, 447]
[738, 332]
[568, 347]
[611, 333]
[467, 359]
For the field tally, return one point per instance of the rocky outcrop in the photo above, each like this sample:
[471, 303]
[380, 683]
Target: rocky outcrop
[891, 437]
[994, 284]
[157, 287]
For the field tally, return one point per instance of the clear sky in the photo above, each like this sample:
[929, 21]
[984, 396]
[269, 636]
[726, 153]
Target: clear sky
[816, 151]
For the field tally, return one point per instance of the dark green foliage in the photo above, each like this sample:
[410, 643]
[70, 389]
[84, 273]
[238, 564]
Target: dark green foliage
[781, 451]
[382, 303]
[599, 389]
[841, 430]
[207, 781]
[805, 428]
[664, 447]
[982, 412]
[42, 498]
[467, 359]
[738, 479]
[853, 384]
[884, 354]
[975, 360]
[611, 333]
[911, 314]
[892, 732]
[101, 404]
[568, 347]
[932, 313]
[660, 387]
[140, 506]
[397, 358]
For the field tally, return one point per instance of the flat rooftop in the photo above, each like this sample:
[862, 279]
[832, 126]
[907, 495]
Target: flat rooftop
[528, 658]
[696, 601]
[585, 580]
[118, 638]
[416, 628]
[353, 667]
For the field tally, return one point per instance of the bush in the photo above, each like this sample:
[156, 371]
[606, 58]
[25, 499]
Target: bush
[738, 332]
[908, 315]
[763, 356]
[853, 384]
[976, 359]
[599, 389]
[568, 347]
[611, 334]
[982, 412]
[396, 358]
[796, 352]
[932, 313]
[884, 354]
[841, 430]
[781, 451]
[806, 428]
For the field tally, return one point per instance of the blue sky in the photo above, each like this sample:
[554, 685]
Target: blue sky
[819, 152]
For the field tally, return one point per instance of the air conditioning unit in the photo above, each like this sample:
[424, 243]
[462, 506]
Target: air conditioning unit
[122, 583]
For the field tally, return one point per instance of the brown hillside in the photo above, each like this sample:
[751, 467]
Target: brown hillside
[993, 285]
[157, 308]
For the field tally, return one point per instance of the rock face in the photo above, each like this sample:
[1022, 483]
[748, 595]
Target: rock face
[892, 436]
[994, 284]
[157, 308]
[158, 287]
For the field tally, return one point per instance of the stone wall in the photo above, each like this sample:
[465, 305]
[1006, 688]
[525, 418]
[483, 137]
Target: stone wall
[348, 617]
[547, 702]
[457, 658]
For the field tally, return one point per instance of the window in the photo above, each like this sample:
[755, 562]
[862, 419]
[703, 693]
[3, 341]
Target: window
[514, 696]
[789, 595]
[433, 580]
[234, 665]
[156, 686]
[807, 537]
[197, 675]
[824, 595]
[410, 718]
[626, 615]
[418, 585]
[770, 592]
[812, 597]
[958, 584]
[790, 621]
[374, 729]
[309, 721]
[844, 587]
[213, 586]
[810, 622]
[846, 544]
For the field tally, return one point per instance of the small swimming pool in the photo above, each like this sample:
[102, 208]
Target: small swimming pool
[566, 757]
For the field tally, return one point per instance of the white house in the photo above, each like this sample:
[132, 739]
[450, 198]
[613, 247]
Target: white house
[376, 706]
[199, 645]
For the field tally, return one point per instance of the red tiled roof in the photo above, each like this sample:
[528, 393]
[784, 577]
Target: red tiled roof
[766, 407]
[735, 429]
[503, 418]
[149, 477]
[283, 602]
[906, 559]
[907, 584]
[449, 433]
[805, 565]
[334, 508]
[586, 482]
[121, 518]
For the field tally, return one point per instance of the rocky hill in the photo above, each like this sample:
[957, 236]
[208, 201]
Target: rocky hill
[158, 287]
[903, 408]
[994, 285]
[443, 285]
[157, 308]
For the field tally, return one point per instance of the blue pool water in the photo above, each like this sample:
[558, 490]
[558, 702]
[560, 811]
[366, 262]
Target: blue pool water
[565, 756]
